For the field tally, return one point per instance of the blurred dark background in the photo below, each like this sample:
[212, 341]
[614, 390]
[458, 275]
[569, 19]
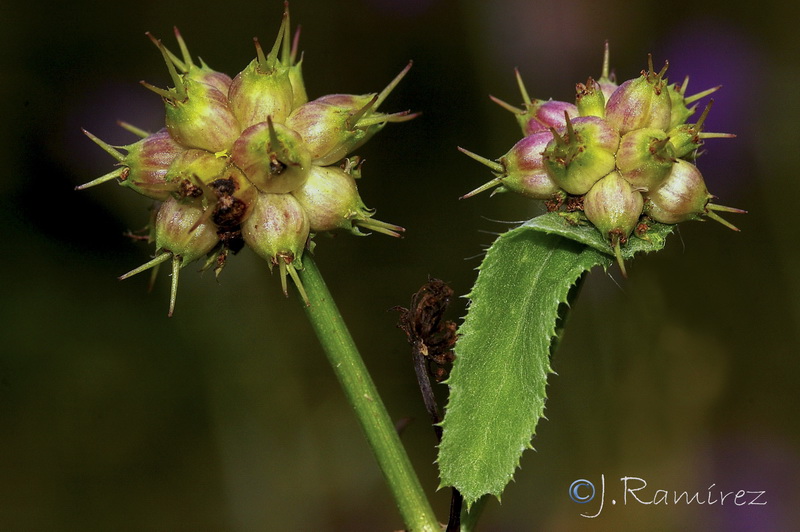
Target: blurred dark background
[227, 417]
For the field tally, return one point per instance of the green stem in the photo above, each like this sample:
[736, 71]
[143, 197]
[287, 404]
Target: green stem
[469, 519]
[363, 396]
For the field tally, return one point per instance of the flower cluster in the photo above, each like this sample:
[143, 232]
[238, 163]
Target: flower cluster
[619, 158]
[250, 161]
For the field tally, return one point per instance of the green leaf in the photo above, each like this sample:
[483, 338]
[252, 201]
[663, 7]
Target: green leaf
[555, 224]
[497, 385]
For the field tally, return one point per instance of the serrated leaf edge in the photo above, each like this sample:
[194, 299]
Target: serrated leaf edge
[602, 259]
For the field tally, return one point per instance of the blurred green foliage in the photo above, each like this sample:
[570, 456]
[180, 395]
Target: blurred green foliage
[226, 417]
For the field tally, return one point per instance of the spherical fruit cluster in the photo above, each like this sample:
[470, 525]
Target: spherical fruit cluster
[250, 161]
[618, 158]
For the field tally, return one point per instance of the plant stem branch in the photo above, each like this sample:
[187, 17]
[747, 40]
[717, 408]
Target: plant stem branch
[363, 396]
[469, 519]
[424, 381]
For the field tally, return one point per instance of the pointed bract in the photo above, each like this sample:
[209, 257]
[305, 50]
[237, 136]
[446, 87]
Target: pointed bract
[334, 125]
[144, 167]
[521, 169]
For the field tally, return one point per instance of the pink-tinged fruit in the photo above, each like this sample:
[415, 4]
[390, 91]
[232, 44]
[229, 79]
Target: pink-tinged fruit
[334, 125]
[641, 102]
[683, 196]
[521, 170]
[621, 166]
[614, 207]
[645, 157]
[180, 238]
[272, 156]
[144, 168]
[277, 230]
[330, 197]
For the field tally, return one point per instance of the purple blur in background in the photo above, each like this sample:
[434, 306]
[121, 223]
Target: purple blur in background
[226, 417]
